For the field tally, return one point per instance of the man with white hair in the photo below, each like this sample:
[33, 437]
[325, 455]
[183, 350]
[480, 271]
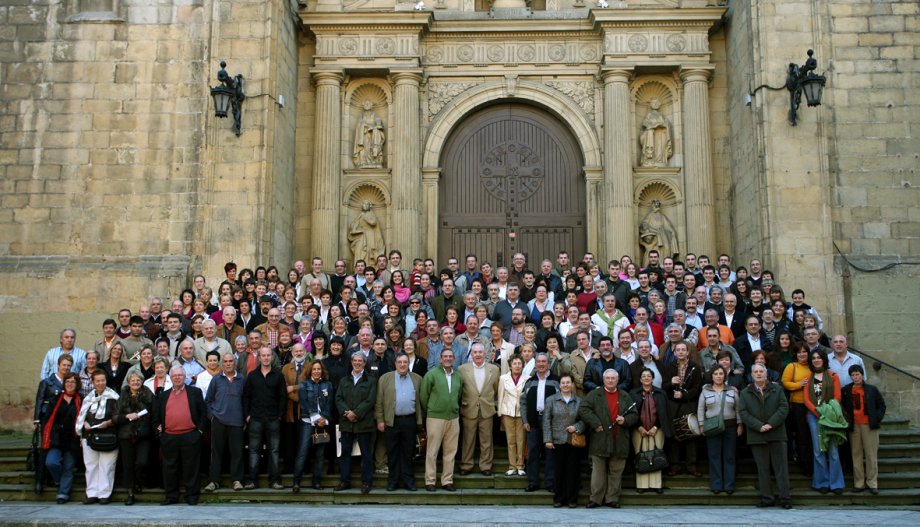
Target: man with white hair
[180, 416]
[68, 340]
[209, 341]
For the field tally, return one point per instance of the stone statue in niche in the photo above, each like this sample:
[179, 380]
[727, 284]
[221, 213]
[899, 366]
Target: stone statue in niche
[365, 235]
[656, 232]
[369, 139]
[655, 138]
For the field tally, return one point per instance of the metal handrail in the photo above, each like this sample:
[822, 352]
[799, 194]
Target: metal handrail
[878, 363]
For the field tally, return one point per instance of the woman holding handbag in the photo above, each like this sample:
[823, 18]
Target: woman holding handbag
[717, 411]
[134, 433]
[96, 425]
[563, 433]
[59, 440]
[654, 426]
[316, 398]
[510, 387]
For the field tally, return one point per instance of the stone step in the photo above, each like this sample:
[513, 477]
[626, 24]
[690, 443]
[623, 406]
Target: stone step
[743, 497]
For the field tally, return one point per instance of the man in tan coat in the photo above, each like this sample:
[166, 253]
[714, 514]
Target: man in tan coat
[399, 416]
[477, 409]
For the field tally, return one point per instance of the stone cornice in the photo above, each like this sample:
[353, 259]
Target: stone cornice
[397, 21]
[658, 17]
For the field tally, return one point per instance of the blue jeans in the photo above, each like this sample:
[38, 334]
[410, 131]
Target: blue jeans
[258, 429]
[535, 448]
[303, 452]
[828, 471]
[721, 449]
[366, 442]
[60, 464]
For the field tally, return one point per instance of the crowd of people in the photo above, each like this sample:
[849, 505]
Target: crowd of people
[575, 367]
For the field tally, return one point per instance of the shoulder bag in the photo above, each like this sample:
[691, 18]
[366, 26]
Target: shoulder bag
[714, 426]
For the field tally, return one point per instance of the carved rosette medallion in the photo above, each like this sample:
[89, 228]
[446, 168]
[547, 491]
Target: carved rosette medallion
[637, 43]
[434, 54]
[588, 53]
[465, 53]
[511, 170]
[556, 52]
[495, 53]
[676, 43]
[348, 46]
[385, 46]
[526, 53]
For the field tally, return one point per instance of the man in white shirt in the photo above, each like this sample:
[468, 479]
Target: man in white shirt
[840, 361]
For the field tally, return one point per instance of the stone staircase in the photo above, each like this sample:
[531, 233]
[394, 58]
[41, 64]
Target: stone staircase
[899, 482]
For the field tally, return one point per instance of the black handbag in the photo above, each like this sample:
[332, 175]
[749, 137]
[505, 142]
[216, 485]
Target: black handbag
[651, 461]
[320, 436]
[32, 456]
[102, 441]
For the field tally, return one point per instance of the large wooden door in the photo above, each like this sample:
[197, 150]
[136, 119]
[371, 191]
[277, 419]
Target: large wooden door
[512, 181]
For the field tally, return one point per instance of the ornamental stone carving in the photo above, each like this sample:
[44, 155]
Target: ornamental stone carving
[655, 138]
[511, 166]
[348, 46]
[638, 43]
[656, 232]
[588, 53]
[434, 54]
[369, 139]
[556, 52]
[465, 53]
[582, 92]
[676, 43]
[495, 53]
[526, 53]
[441, 93]
[385, 46]
[365, 237]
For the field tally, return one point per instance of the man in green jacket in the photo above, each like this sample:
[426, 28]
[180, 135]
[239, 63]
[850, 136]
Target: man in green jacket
[355, 400]
[608, 414]
[763, 409]
[440, 398]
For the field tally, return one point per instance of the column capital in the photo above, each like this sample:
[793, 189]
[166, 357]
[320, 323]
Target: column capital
[431, 175]
[696, 74]
[402, 77]
[594, 174]
[617, 75]
[327, 77]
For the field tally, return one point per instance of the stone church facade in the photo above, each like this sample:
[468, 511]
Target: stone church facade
[445, 128]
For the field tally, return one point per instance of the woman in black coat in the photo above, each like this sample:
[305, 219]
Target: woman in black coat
[135, 430]
[654, 426]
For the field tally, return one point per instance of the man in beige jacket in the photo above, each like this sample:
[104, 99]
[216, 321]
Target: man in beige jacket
[477, 409]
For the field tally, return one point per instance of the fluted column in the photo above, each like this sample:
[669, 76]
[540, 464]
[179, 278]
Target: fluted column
[407, 175]
[701, 225]
[619, 229]
[327, 165]
[431, 178]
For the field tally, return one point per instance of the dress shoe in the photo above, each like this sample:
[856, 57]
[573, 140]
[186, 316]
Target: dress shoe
[129, 500]
[837, 491]
[716, 492]
[613, 504]
[295, 489]
[411, 488]
[366, 489]
[642, 491]
[487, 473]
[342, 486]
[61, 501]
[824, 490]
[696, 473]
[531, 488]
[557, 504]
[873, 491]
[730, 492]
[169, 501]
[765, 504]
[391, 488]
[464, 472]
[191, 501]
[429, 488]
[592, 505]
[104, 501]
[449, 487]
[90, 501]
[573, 505]
[787, 504]
[859, 489]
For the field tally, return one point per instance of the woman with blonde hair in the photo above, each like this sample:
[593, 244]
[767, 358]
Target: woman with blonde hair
[510, 387]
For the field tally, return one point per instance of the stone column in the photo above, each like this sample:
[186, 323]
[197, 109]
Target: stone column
[407, 175]
[594, 177]
[701, 225]
[431, 178]
[327, 165]
[619, 229]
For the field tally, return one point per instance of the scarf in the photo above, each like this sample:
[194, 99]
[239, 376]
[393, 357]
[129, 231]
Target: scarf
[827, 388]
[649, 411]
[96, 404]
[49, 426]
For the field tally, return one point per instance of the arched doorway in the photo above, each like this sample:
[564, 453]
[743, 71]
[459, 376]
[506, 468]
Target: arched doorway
[512, 181]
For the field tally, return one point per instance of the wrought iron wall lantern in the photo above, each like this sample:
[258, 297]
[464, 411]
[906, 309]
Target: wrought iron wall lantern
[799, 80]
[228, 95]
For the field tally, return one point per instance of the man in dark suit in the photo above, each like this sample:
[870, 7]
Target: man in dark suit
[753, 339]
[732, 316]
[180, 416]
